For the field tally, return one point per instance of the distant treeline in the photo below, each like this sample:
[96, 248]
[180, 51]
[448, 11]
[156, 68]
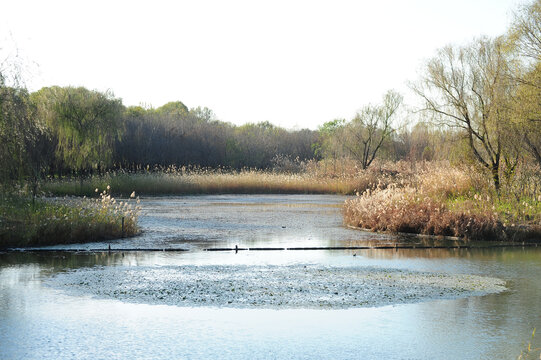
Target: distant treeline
[481, 103]
[64, 131]
[174, 135]
[74, 131]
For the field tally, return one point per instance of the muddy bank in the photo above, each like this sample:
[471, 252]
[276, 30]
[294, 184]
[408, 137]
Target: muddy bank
[295, 286]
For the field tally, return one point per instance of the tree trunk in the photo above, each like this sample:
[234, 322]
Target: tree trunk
[496, 176]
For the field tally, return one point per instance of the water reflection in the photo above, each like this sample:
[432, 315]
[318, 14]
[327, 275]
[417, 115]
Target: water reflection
[40, 322]
[493, 326]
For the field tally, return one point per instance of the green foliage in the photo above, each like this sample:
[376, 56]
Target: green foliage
[328, 145]
[527, 113]
[176, 109]
[21, 137]
[14, 122]
[85, 123]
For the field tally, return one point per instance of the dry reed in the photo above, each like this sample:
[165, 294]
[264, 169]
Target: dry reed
[173, 181]
[439, 199]
[66, 220]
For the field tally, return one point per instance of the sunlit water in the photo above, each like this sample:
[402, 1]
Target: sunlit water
[42, 317]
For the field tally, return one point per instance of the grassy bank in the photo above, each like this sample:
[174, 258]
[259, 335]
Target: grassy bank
[438, 199]
[204, 181]
[24, 222]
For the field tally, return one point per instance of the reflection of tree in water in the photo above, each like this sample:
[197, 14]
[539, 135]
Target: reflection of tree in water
[502, 316]
[51, 262]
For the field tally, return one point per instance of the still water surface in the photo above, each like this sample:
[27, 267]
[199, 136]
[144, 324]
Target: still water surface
[40, 319]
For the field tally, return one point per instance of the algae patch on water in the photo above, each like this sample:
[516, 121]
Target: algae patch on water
[294, 286]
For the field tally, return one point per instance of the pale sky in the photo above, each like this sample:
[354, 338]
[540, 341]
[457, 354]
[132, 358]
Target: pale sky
[296, 64]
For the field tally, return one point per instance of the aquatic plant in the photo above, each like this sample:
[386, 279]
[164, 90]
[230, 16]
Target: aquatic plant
[529, 352]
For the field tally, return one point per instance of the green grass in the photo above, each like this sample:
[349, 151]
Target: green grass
[48, 222]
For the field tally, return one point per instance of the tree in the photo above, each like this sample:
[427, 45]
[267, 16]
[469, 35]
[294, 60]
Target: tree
[327, 145]
[14, 136]
[527, 112]
[85, 123]
[469, 88]
[203, 114]
[173, 108]
[22, 139]
[525, 31]
[525, 39]
[365, 134]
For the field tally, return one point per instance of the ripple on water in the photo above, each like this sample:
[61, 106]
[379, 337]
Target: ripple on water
[294, 286]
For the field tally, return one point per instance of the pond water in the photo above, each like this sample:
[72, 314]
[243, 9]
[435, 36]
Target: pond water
[480, 303]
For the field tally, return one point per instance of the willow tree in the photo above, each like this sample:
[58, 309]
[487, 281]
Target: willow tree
[469, 88]
[21, 138]
[84, 122]
[525, 31]
[15, 124]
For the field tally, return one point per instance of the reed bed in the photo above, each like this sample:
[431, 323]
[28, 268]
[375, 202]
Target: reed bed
[440, 199]
[43, 222]
[218, 181]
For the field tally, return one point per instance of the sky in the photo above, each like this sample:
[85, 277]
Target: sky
[294, 63]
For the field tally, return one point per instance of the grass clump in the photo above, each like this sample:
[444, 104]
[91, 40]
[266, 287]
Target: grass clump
[439, 199]
[42, 222]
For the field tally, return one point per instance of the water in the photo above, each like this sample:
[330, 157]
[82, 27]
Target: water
[42, 318]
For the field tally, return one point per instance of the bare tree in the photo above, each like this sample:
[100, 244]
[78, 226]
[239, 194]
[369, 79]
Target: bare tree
[365, 134]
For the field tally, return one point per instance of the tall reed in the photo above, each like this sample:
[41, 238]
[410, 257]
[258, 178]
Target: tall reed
[440, 199]
[175, 181]
[66, 220]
